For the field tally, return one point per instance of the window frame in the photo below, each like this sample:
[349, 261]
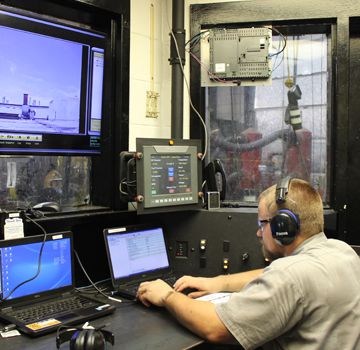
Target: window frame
[211, 15]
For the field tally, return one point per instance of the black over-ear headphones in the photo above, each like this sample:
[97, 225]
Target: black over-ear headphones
[85, 339]
[285, 225]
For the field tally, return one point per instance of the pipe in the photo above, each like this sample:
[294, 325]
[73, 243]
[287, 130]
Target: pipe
[177, 79]
[284, 134]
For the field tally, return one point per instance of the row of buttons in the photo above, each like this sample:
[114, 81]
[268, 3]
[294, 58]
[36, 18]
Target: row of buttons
[170, 200]
[20, 137]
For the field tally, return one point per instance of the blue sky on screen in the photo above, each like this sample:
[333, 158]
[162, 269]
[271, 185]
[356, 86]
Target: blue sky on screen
[43, 67]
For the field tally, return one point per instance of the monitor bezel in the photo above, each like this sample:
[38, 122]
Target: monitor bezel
[53, 143]
[121, 230]
[142, 163]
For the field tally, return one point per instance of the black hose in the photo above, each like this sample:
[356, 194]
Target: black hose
[284, 134]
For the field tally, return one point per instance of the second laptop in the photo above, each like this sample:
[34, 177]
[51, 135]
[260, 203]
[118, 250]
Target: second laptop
[137, 254]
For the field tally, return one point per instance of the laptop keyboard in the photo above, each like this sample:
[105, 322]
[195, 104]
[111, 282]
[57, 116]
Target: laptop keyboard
[49, 309]
[132, 289]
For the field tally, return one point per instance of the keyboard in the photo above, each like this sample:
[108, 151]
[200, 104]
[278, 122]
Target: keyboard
[50, 309]
[131, 289]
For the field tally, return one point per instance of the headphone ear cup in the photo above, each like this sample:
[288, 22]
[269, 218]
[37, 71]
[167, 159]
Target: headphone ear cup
[96, 341]
[85, 339]
[77, 341]
[284, 226]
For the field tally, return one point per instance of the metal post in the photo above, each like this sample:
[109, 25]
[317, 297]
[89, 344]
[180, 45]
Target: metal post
[177, 79]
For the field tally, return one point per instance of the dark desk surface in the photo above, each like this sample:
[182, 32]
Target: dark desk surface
[135, 328]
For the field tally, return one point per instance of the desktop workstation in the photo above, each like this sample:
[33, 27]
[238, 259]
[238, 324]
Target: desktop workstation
[76, 166]
[129, 323]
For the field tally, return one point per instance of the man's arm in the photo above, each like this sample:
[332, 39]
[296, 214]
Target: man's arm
[222, 283]
[198, 316]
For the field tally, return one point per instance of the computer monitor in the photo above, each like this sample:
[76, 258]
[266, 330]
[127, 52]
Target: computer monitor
[19, 261]
[51, 85]
[168, 174]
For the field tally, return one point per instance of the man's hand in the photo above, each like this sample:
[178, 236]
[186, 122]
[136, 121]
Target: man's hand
[154, 292]
[204, 285]
[198, 316]
[222, 283]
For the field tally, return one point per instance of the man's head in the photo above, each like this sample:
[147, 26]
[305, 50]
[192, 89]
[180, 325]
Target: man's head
[302, 201]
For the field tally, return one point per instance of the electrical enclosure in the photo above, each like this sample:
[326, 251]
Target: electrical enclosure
[241, 53]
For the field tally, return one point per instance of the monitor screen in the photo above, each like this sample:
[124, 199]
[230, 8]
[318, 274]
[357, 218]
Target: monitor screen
[168, 174]
[51, 86]
[136, 252]
[20, 262]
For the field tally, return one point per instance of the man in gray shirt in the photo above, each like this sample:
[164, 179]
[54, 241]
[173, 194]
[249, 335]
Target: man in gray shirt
[307, 298]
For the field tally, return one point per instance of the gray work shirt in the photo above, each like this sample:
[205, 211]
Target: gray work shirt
[307, 301]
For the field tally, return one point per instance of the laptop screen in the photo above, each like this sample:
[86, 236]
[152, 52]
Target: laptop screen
[19, 262]
[136, 251]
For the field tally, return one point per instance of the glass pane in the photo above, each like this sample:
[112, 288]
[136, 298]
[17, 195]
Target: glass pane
[250, 129]
[28, 180]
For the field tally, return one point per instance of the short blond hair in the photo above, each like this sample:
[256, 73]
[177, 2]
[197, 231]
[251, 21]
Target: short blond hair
[304, 201]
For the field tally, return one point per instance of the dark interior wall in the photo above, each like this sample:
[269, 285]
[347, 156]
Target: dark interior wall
[354, 134]
[229, 235]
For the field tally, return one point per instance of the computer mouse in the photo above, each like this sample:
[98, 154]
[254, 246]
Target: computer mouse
[47, 207]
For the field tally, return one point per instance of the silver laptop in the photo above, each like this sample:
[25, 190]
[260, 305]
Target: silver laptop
[37, 289]
[137, 254]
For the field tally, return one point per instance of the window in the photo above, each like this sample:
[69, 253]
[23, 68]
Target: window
[249, 129]
[28, 180]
